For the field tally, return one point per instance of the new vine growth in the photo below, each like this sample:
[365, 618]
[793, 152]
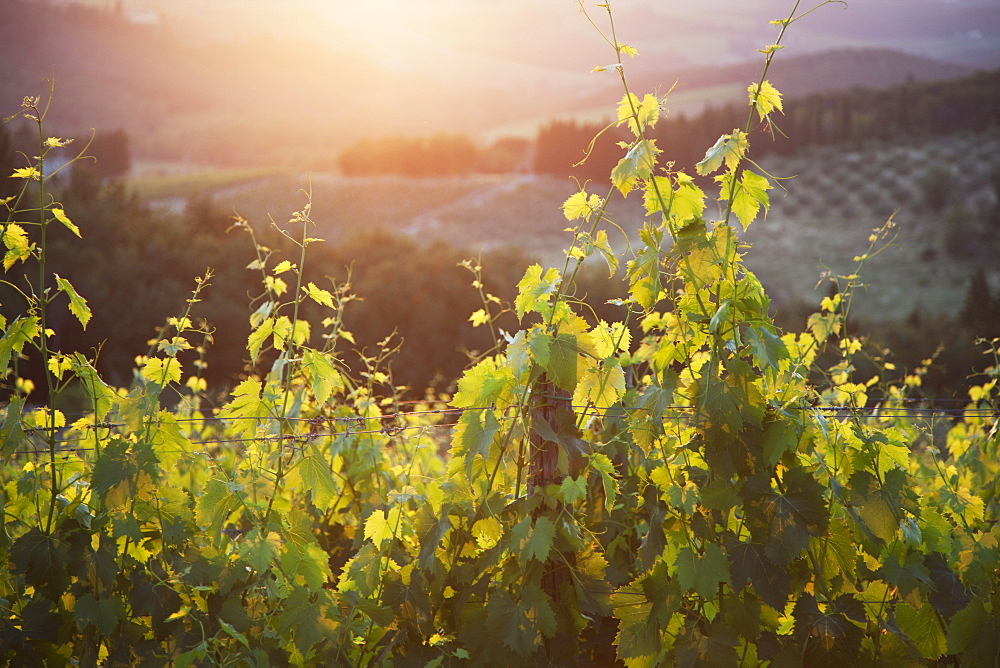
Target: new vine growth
[686, 485]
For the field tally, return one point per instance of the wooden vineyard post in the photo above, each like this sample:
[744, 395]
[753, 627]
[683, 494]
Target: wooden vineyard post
[543, 470]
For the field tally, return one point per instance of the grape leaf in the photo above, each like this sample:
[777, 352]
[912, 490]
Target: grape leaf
[974, 633]
[103, 614]
[316, 478]
[831, 637]
[218, 500]
[325, 377]
[702, 573]
[18, 247]
[766, 346]
[61, 216]
[377, 528]
[923, 629]
[785, 520]
[260, 550]
[748, 562]
[637, 164]
[765, 98]
[534, 289]
[728, 148]
[308, 562]
[20, 332]
[247, 408]
[77, 304]
[41, 558]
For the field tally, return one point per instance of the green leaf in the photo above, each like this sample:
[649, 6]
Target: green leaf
[318, 295]
[258, 337]
[831, 637]
[12, 435]
[308, 563]
[747, 195]
[749, 563]
[473, 436]
[702, 573]
[77, 304]
[317, 478]
[377, 528]
[630, 109]
[602, 385]
[216, 503]
[325, 377]
[766, 346]
[609, 339]
[20, 332]
[261, 551]
[247, 409]
[572, 490]
[643, 608]
[637, 164]
[882, 505]
[602, 464]
[41, 558]
[481, 385]
[282, 267]
[581, 205]
[728, 148]
[974, 633]
[923, 629]
[780, 436]
[561, 364]
[539, 542]
[717, 647]
[823, 326]
[519, 626]
[785, 520]
[233, 633]
[103, 614]
[161, 371]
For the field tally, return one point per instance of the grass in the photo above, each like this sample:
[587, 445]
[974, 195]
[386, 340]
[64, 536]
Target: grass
[150, 184]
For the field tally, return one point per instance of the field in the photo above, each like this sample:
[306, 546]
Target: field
[835, 196]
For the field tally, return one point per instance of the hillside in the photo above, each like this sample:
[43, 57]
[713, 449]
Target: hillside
[256, 94]
[837, 196]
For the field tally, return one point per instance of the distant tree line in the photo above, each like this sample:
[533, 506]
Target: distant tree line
[438, 155]
[969, 104]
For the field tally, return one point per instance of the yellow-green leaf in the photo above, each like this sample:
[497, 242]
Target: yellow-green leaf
[62, 218]
[637, 164]
[729, 149]
[319, 295]
[162, 371]
[18, 248]
[765, 98]
[77, 304]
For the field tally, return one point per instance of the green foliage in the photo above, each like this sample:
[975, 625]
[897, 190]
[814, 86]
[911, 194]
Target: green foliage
[688, 496]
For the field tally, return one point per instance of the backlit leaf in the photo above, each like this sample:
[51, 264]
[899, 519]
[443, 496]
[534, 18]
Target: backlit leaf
[765, 98]
[728, 149]
[77, 304]
[637, 164]
[61, 216]
[534, 290]
[923, 629]
[218, 500]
